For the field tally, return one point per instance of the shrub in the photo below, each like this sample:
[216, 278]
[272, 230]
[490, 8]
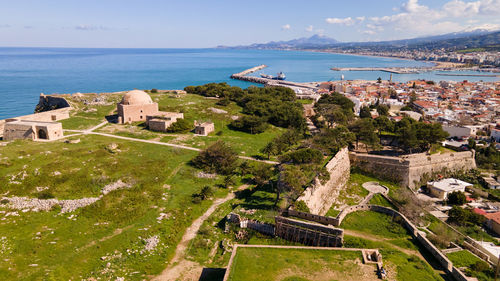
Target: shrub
[181, 125]
[301, 206]
[45, 195]
[154, 90]
[250, 124]
[218, 157]
[224, 101]
[457, 198]
[4, 201]
[303, 156]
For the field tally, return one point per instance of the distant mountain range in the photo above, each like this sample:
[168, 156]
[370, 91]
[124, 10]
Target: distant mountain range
[301, 43]
[478, 38]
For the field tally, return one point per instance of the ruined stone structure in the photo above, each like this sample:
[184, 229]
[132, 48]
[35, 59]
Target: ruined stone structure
[51, 102]
[320, 197]
[135, 106]
[162, 120]
[46, 116]
[203, 129]
[412, 170]
[309, 234]
[34, 130]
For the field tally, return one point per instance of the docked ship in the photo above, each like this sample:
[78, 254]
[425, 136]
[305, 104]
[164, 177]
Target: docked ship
[280, 76]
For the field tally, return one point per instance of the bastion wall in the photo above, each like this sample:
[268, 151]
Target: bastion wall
[413, 169]
[320, 197]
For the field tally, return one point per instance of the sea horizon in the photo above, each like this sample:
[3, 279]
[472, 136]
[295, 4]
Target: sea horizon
[25, 72]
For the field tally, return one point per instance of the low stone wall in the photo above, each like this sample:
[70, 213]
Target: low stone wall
[410, 170]
[480, 251]
[320, 197]
[261, 227]
[312, 217]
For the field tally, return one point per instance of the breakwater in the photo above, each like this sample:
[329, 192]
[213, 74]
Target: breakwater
[395, 70]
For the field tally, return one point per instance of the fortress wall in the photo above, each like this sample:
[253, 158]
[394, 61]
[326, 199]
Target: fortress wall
[46, 116]
[320, 197]
[411, 170]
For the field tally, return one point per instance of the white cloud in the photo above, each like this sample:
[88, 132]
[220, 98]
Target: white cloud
[5, 25]
[286, 27]
[86, 27]
[310, 28]
[344, 21]
[412, 18]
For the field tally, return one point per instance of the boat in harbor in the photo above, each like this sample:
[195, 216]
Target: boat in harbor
[280, 76]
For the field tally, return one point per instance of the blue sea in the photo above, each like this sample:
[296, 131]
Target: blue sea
[27, 72]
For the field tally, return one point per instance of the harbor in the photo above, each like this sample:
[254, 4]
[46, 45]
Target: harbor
[303, 90]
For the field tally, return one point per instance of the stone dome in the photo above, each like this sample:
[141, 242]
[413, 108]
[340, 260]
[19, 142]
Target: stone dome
[136, 97]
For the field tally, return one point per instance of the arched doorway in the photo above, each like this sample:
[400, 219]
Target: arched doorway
[42, 134]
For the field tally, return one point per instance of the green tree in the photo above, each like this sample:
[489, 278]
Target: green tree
[364, 112]
[364, 131]
[379, 80]
[457, 198]
[262, 173]
[250, 124]
[218, 157]
[330, 141]
[383, 109]
[269, 149]
[181, 125]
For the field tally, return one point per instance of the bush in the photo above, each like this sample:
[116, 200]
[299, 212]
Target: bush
[303, 156]
[154, 90]
[457, 198]
[4, 201]
[250, 124]
[181, 125]
[45, 195]
[301, 206]
[224, 102]
[217, 158]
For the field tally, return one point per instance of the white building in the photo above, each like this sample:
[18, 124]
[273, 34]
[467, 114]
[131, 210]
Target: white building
[442, 188]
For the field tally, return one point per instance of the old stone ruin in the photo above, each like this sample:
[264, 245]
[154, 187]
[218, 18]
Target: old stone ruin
[299, 231]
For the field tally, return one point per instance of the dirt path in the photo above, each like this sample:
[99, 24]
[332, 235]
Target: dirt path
[159, 143]
[179, 266]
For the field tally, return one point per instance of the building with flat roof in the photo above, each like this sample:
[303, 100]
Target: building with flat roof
[204, 128]
[162, 120]
[442, 188]
[34, 130]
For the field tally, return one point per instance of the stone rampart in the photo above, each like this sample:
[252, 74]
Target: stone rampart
[320, 197]
[51, 102]
[412, 170]
[46, 116]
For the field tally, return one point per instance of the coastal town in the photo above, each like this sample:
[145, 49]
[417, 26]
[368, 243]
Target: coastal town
[359, 141]
[382, 131]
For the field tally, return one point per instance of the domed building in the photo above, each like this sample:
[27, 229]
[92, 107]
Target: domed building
[135, 106]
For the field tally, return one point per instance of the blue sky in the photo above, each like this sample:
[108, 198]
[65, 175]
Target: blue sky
[208, 23]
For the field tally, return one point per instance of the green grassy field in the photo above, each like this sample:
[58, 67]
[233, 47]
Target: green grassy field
[463, 258]
[198, 108]
[299, 264]
[378, 199]
[85, 116]
[106, 239]
[374, 223]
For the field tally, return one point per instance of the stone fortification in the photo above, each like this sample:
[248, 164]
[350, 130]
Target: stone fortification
[412, 170]
[320, 197]
[51, 102]
[46, 116]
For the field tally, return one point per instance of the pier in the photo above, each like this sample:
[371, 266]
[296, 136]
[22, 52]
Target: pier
[303, 90]
[395, 70]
